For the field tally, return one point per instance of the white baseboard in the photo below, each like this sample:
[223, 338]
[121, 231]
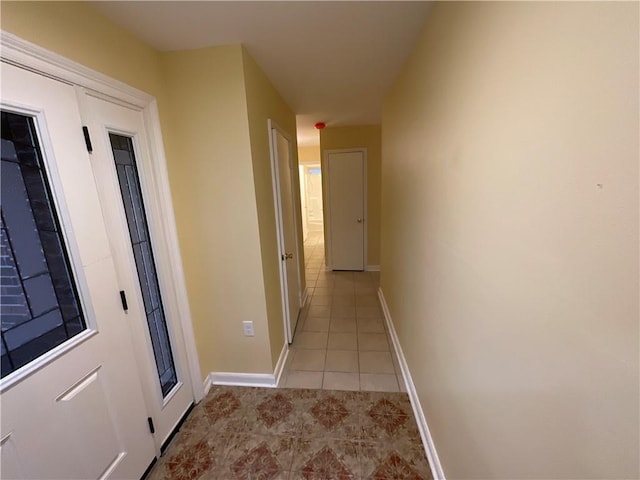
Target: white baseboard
[427, 441]
[243, 379]
[269, 380]
[282, 360]
[207, 385]
[367, 268]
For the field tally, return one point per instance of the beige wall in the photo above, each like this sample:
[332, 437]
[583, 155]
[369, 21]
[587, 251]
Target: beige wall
[369, 137]
[80, 33]
[309, 154]
[215, 203]
[210, 140]
[264, 103]
[510, 236]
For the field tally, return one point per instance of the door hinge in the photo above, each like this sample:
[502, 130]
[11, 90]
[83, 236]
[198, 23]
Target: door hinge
[152, 429]
[87, 139]
[123, 299]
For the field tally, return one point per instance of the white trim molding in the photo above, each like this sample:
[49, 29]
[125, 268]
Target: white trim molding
[372, 268]
[268, 380]
[206, 385]
[30, 56]
[427, 441]
[243, 379]
[282, 360]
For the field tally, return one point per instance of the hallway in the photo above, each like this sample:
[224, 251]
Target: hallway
[341, 341]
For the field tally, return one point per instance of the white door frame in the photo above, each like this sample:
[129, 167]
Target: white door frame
[327, 204]
[272, 125]
[21, 53]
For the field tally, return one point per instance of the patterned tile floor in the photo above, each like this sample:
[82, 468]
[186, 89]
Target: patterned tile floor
[274, 434]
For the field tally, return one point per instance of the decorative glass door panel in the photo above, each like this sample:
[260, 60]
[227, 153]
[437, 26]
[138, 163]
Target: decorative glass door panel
[40, 307]
[128, 179]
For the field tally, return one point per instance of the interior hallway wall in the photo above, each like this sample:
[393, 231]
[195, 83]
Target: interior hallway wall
[369, 137]
[309, 154]
[510, 236]
[264, 102]
[80, 33]
[215, 202]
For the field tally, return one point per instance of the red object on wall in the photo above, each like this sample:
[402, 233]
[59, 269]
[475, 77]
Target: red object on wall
[320, 125]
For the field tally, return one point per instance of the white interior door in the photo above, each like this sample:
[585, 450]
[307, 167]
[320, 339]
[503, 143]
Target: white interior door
[284, 193]
[72, 405]
[346, 197]
[130, 206]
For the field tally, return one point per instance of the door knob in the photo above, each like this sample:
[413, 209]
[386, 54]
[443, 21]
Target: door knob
[359, 220]
[287, 256]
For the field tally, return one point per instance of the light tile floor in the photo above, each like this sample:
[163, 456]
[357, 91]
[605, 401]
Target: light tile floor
[341, 340]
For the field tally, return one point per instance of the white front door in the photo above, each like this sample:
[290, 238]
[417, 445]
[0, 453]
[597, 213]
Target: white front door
[72, 403]
[345, 173]
[284, 193]
[122, 167]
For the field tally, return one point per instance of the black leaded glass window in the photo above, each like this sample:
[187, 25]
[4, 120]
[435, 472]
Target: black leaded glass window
[39, 305]
[140, 242]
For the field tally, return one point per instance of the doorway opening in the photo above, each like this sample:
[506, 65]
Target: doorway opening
[312, 213]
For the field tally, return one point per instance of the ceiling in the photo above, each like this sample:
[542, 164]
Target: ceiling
[331, 61]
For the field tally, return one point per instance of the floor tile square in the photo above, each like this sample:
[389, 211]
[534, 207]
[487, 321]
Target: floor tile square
[388, 461]
[324, 281]
[322, 291]
[366, 301]
[373, 342]
[312, 360]
[340, 281]
[323, 311]
[362, 290]
[343, 291]
[320, 458]
[302, 379]
[343, 341]
[343, 300]
[321, 300]
[314, 324]
[341, 381]
[343, 325]
[370, 325]
[375, 362]
[330, 414]
[338, 311]
[310, 339]
[379, 382]
[341, 361]
[256, 456]
[368, 312]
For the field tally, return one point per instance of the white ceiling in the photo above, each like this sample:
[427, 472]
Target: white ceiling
[331, 61]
